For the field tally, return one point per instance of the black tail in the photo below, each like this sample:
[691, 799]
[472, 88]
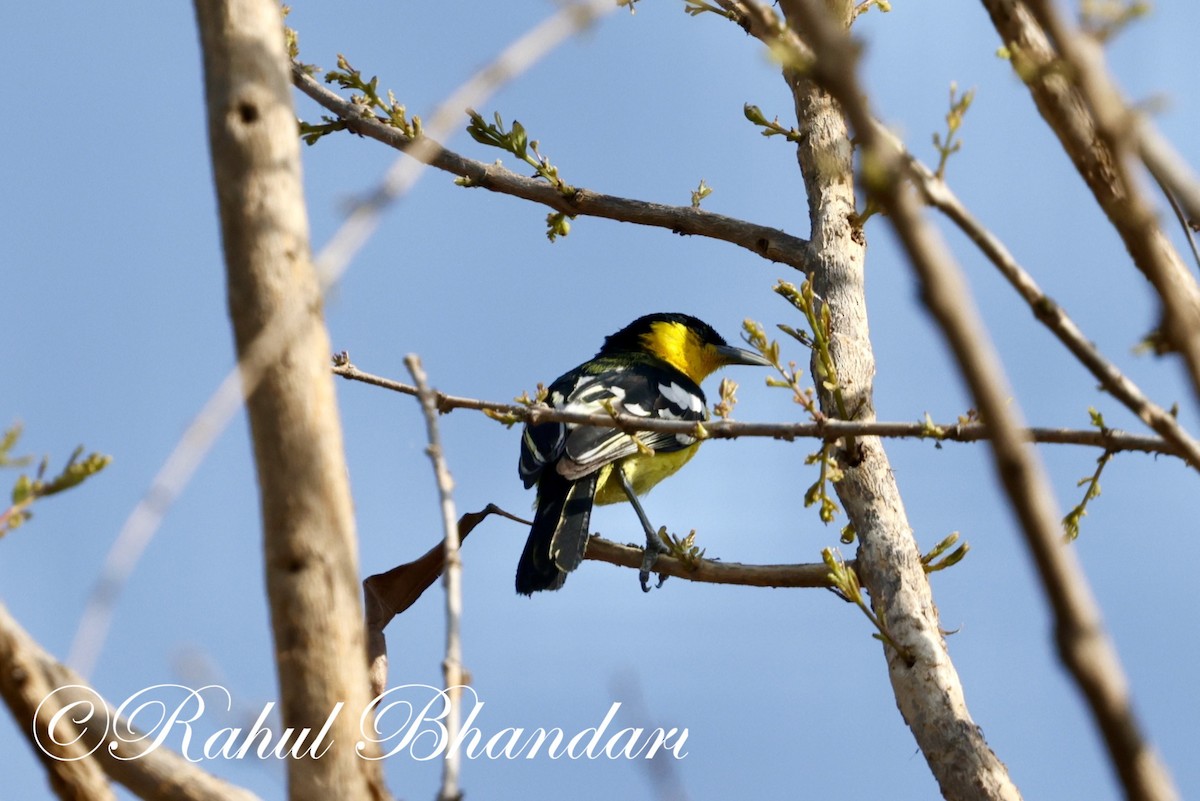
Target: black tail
[560, 532]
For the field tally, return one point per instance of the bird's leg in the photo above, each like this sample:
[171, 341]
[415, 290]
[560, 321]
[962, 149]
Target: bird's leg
[654, 545]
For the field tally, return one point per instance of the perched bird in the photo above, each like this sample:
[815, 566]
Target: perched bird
[650, 368]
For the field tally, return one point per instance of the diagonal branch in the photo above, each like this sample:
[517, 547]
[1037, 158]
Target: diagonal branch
[770, 243]
[37, 688]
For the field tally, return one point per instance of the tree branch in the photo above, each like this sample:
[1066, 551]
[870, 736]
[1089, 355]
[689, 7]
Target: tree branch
[710, 571]
[827, 429]
[73, 772]
[36, 688]
[1083, 645]
[308, 520]
[770, 243]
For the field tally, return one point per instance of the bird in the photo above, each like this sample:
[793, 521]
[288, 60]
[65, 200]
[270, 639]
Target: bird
[651, 368]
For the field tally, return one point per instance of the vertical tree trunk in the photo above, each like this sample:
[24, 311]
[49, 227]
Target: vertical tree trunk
[274, 302]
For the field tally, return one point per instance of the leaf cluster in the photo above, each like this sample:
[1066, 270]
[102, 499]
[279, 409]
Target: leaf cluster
[728, 391]
[507, 418]
[818, 337]
[29, 489]
[694, 8]
[865, 6]
[515, 140]
[365, 95]
[790, 378]
[930, 561]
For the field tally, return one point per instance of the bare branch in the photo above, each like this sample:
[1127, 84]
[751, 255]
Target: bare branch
[1083, 645]
[391, 593]
[770, 243]
[827, 429]
[710, 571]
[452, 668]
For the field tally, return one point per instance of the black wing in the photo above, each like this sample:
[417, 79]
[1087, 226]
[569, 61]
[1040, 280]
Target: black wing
[639, 389]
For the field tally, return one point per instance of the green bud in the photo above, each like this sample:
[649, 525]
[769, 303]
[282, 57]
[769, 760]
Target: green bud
[754, 114]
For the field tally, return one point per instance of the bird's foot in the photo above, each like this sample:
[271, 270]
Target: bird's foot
[654, 547]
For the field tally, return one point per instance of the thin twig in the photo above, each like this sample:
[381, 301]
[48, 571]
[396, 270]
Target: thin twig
[1189, 226]
[1083, 645]
[331, 263]
[828, 429]
[452, 666]
[513, 61]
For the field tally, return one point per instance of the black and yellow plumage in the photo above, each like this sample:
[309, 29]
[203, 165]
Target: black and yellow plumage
[651, 368]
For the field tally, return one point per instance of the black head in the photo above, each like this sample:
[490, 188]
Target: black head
[632, 336]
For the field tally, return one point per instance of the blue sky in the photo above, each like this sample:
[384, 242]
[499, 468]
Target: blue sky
[117, 332]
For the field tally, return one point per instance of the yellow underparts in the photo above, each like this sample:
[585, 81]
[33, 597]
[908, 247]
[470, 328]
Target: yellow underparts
[680, 347]
[643, 472]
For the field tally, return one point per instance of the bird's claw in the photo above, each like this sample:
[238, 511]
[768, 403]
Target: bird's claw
[654, 547]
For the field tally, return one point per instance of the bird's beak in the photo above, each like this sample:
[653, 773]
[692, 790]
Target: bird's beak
[731, 355]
